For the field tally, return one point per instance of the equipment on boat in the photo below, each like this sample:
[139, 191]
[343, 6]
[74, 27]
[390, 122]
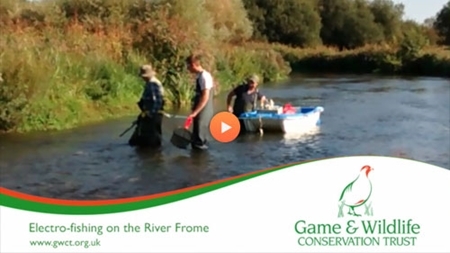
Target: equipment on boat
[181, 137]
[286, 119]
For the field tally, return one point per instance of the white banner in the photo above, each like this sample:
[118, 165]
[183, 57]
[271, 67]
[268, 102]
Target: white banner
[350, 204]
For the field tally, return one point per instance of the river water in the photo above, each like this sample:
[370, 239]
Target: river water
[363, 115]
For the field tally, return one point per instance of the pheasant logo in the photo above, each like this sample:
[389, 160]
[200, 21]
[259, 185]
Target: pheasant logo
[356, 194]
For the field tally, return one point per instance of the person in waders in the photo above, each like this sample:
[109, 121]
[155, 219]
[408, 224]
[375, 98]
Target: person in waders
[247, 95]
[148, 132]
[202, 103]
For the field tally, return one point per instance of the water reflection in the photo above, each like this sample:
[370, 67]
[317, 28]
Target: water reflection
[250, 137]
[295, 138]
[411, 119]
[380, 89]
[418, 90]
[150, 154]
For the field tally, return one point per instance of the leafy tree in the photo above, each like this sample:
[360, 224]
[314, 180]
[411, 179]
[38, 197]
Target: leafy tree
[334, 16]
[230, 20]
[291, 22]
[442, 24]
[389, 16]
[414, 39]
[363, 29]
[342, 23]
[256, 15]
[348, 24]
[430, 31]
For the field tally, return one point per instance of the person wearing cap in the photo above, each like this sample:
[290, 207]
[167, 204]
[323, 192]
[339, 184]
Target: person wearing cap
[247, 95]
[202, 103]
[148, 132]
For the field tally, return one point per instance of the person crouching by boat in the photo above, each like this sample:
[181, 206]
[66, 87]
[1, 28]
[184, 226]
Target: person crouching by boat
[148, 132]
[247, 95]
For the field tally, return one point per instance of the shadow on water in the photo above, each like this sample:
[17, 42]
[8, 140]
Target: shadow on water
[363, 115]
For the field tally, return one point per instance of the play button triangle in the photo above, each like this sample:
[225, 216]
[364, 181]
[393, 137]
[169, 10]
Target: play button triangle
[224, 127]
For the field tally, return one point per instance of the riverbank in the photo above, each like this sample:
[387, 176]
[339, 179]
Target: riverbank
[47, 88]
[84, 90]
[68, 63]
[88, 89]
[384, 60]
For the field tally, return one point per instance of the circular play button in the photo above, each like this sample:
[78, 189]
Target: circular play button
[224, 127]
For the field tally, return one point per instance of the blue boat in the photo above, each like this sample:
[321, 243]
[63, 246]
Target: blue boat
[302, 119]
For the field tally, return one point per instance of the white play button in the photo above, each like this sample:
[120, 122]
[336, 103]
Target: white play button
[224, 127]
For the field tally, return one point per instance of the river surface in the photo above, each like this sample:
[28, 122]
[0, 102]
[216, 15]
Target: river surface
[363, 115]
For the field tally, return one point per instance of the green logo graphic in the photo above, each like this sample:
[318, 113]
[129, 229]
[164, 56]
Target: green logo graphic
[358, 228]
[356, 194]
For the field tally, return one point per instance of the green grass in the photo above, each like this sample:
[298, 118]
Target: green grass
[67, 63]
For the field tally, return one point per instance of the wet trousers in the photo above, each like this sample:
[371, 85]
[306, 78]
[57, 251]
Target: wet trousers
[148, 132]
[200, 131]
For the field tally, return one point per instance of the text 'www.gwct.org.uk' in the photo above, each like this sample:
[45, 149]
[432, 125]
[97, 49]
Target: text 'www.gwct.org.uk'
[66, 243]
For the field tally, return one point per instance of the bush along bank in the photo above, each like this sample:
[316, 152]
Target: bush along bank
[370, 60]
[66, 63]
[44, 90]
[69, 62]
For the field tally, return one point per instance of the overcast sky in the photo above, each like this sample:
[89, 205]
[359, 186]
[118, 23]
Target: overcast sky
[420, 10]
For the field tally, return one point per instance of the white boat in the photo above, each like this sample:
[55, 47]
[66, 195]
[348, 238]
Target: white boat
[303, 119]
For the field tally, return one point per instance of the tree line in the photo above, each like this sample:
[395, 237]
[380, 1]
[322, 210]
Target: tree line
[346, 24]
[66, 62]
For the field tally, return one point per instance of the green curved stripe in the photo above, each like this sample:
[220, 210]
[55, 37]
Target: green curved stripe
[26, 205]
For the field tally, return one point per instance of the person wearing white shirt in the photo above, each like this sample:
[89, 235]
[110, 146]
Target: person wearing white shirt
[202, 103]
